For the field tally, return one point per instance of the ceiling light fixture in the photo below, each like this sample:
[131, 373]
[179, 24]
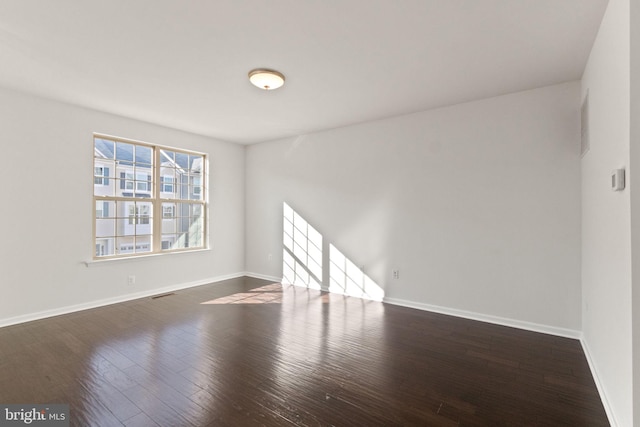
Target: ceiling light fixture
[266, 79]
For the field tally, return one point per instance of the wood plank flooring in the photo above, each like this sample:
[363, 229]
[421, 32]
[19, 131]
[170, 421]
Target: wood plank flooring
[247, 352]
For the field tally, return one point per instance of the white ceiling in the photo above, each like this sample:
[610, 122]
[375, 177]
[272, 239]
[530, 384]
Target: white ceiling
[184, 64]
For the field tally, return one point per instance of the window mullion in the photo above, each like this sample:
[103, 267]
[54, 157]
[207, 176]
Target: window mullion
[157, 204]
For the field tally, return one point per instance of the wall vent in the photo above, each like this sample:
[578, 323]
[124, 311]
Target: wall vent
[163, 295]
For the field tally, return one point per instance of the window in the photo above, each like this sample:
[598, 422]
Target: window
[100, 249]
[168, 210]
[101, 176]
[139, 214]
[166, 184]
[137, 182]
[134, 180]
[102, 209]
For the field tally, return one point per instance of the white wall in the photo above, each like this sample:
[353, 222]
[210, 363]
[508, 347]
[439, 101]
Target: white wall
[477, 205]
[606, 232]
[634, 179]
[46, 175]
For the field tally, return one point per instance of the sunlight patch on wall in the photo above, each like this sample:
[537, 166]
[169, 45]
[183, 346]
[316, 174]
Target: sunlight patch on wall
[302, 261]
[346, 278]
[302, 252]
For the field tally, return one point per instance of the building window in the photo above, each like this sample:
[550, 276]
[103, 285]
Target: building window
[139, 214]
[195, 186]
[100, 249]
[167, 184]
[168, 210]
[132, 180]
[101, 175]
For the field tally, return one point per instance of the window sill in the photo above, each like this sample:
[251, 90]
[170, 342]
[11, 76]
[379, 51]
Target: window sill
[107, 261]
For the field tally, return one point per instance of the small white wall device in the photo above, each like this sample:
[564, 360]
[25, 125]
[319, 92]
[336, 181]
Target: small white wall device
[617, 180]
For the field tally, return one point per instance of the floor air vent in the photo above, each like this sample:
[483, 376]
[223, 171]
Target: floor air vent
[163, 295]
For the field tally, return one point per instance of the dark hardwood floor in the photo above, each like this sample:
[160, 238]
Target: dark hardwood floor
[247, 352]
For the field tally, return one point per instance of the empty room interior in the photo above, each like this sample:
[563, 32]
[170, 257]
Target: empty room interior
[414, 212]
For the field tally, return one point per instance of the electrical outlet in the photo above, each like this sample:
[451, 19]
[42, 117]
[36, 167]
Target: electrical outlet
[396, 274]
[131, 280]
[270, 257]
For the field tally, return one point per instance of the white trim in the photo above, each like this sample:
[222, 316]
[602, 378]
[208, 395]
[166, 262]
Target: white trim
[503, 321]
[263, 277]
[109, 260]
[596, 378]
[113, 300]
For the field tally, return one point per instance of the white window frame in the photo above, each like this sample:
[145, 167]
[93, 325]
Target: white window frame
[151, 195]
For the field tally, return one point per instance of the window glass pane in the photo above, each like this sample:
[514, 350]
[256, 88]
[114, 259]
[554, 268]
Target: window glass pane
[143, 218]
[196, 193]
[180, 242]
[105, 209]
[105, 227]
[183, 161]
[143, 173]
[168, 210]
[143, 244]
[125, 245]
[195, 189]
[167, 183]
[169, 226]
[143, 155]
[195, 163]
[196, 232]
[168, 241]
[103, 148]
[167, 156]
[103, 184]
[99, 210]
[121, 209]
[144, 210]
[183, 209]
[183, 188]
[142, 186]
[105, 247]
[188, 224]
[124, 153]
[126, 226]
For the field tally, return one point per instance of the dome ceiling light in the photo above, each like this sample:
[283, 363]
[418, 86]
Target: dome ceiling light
[266, 79]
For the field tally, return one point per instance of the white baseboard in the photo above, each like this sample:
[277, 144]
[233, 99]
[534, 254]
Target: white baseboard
[503, 321]
[599, 386]
[263, 277]
[113, 300]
